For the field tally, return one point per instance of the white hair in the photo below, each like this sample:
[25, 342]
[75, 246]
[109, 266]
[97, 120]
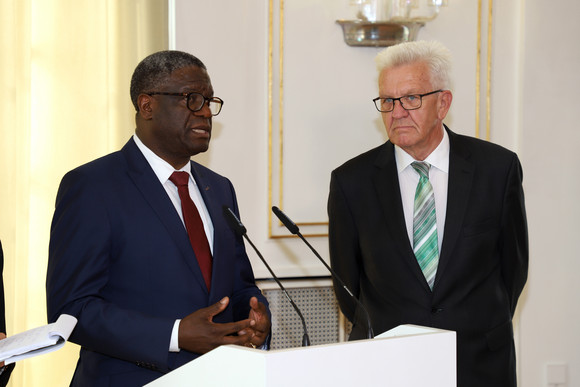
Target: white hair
[434, 54]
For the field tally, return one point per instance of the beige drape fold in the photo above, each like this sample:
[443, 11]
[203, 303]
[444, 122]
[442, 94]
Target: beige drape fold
[65, 67]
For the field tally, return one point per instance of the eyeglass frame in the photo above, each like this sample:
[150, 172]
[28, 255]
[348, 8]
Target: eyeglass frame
[216, 100]
[401, 102]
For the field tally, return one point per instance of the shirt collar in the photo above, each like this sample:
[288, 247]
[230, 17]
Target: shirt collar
[439, 158]
[162, 168]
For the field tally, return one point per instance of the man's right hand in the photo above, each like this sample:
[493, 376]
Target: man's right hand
[198, 333]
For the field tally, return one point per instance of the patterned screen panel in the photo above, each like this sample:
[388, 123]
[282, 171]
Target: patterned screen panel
[324, 322]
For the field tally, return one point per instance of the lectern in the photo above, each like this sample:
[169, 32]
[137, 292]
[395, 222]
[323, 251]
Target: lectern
[406, 356]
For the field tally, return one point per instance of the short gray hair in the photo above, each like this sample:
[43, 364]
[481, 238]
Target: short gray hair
[155, 69]
[434, 54]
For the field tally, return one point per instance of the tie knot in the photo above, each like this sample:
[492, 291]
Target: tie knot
[179, 178]
[422, 168]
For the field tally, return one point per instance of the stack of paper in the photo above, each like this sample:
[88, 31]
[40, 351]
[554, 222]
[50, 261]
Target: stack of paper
[37, 341]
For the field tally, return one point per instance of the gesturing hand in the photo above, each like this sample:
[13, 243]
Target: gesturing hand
[260, 328]
[198, 333]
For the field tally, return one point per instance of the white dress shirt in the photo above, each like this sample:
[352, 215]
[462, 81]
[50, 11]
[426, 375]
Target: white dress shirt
[163, 171]
[438, 176]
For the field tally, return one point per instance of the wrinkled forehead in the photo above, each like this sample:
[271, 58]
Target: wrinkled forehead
[404, 79]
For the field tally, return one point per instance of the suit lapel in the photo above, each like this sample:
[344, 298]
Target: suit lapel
[386, 182]
[147, 183]
[461, 172]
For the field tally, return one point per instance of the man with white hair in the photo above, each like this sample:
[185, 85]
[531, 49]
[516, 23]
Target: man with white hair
[430, 228]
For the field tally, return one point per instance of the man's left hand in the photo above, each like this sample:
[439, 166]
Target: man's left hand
[260, 328]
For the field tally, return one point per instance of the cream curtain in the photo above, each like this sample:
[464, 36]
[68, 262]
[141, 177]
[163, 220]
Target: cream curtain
[64, 75]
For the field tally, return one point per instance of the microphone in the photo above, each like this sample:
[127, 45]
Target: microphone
[240, 230]
[293, 228]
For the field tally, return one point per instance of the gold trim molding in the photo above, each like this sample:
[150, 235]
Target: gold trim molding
[280, 130]
[478, 72]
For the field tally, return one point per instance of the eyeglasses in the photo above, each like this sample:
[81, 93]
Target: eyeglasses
[195, 101]
[408, 102]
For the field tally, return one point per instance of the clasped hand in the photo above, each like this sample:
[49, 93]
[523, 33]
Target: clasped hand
[198, 333]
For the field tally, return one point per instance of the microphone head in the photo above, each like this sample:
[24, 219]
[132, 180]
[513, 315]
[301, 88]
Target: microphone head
[290, 225]
[233, 221]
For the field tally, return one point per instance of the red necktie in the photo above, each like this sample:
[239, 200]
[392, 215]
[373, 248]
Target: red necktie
[194, 225]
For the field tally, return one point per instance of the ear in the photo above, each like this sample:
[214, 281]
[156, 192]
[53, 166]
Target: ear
[444, 103]
[145, 104]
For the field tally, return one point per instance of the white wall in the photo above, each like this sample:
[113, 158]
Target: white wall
[551, 155]
[327, 117]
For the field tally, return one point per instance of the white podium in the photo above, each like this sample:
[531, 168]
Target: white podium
[406, 356]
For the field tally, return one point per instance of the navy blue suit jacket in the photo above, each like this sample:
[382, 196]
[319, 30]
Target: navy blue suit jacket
[483, 260]
[120, 261]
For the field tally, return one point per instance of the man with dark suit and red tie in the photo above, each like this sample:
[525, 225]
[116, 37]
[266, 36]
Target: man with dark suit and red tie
[430, 227]
[140, 252]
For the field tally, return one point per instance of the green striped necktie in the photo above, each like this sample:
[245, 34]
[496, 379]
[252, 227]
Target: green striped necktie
[425, 244]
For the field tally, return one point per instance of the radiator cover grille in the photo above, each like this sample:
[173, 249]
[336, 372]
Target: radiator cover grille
[324, 322]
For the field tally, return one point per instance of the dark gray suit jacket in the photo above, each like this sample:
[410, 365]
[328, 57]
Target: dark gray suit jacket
[483, 259]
